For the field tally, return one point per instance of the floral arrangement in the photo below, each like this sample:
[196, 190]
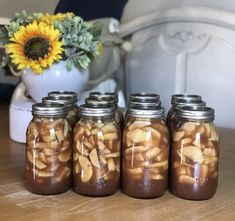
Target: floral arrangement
[39, 40]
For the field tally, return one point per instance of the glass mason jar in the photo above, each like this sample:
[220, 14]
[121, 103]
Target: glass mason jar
[145, 153]
[195, 154]
[180, 98]
[48, 150]
[71, 103]
[96, 152]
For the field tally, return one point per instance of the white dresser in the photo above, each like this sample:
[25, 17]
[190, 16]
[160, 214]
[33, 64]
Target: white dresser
[180, 47]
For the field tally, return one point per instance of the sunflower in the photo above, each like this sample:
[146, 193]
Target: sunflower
[49, 19]
[35, 46]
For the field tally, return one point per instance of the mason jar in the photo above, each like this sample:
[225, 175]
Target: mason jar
[48, 150]
[96, 152]
[195, 154]
[145, 153]
[71, 104]
[181, 98]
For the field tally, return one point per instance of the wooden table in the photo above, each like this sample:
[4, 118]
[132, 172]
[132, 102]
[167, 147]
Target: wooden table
[16, 203]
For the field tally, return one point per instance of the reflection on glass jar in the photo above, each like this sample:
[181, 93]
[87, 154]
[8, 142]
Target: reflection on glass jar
[48, 150]
[96, 152]
[145, 153]
[195, 154]
[73, 115]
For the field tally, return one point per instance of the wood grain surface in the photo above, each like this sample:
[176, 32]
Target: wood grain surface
[17, 204]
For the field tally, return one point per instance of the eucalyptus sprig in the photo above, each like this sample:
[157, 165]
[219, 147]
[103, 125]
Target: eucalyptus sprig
[6, 32]
[79, 43]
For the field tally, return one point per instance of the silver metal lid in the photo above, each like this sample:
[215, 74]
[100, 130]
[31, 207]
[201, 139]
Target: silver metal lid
[101, 102]
[97, 111]
[144, 103]
[140, 112]
[49, 110]
[199, 113]
[106, 95]
[67, 101]
[144, 96]
[183, 102]
[70, 94]
[187, 97]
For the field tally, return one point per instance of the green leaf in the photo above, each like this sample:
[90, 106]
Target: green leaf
[4, 61]
[84, 61]
[70, 64]
[4, 38]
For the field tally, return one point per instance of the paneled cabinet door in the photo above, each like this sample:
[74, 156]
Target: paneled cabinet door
[185, 58]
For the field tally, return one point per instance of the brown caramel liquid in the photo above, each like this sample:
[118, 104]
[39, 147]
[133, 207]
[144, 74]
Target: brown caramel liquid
[97, 187]
[47, 185]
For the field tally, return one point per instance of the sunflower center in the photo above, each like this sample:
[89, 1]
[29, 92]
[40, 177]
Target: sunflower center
[36, 48]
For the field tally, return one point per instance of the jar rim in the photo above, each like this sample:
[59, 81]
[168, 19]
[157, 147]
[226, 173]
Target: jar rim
[86, 110]
[70, 94]
[199, 113]
[97, 102]
[140, 112]
[184, 102]
[68, 102]
[145, 96]
[144, 103]
[49, 110]
[105, 95]
[186, 97]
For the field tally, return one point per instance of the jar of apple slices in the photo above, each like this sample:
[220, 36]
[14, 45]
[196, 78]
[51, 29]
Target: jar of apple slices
[96, 152]
[48, 150]
[195, 154]
[145, 153]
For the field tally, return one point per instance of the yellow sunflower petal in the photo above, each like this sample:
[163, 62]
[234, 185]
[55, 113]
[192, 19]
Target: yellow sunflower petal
[50, 19]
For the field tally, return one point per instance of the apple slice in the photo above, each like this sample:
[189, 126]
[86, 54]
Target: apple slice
[86, 172]
[94, 158]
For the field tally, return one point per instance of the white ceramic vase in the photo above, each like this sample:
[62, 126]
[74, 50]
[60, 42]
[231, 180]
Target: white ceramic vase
[57, 77]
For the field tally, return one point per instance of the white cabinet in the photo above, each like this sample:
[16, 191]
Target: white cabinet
[184, 51]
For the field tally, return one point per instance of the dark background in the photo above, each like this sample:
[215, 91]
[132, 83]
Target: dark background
[92, 9]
